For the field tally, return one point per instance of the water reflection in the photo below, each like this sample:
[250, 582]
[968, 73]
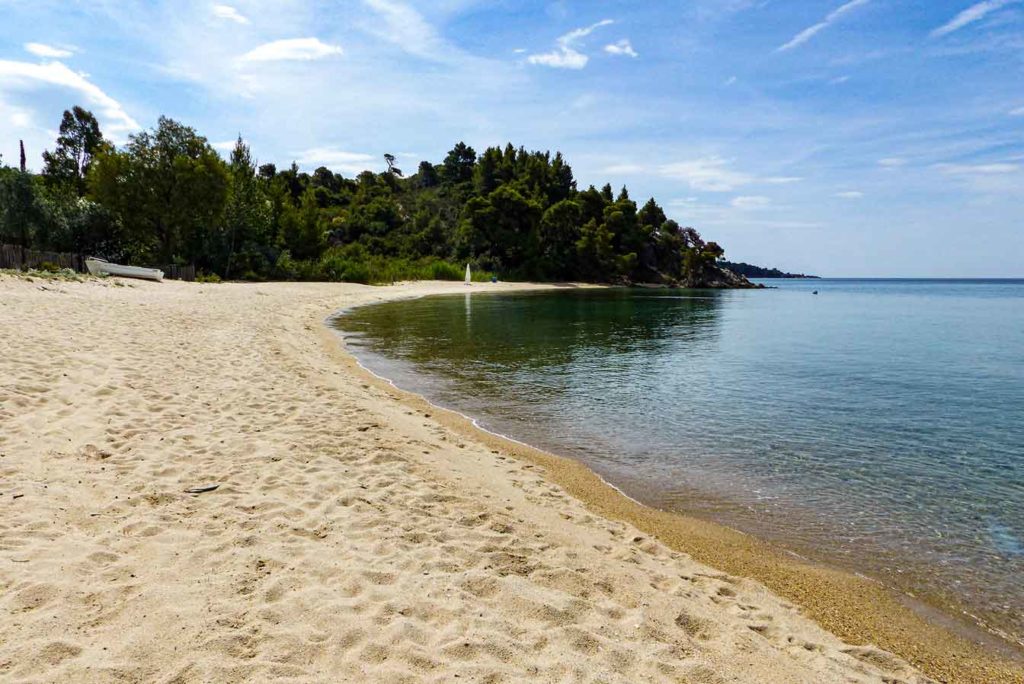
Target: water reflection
[541, 331]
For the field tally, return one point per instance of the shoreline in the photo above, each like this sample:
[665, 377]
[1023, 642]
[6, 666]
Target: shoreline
[356, 531]
[940, 640]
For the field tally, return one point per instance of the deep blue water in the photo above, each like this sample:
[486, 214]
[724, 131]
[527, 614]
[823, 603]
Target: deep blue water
[878, 424]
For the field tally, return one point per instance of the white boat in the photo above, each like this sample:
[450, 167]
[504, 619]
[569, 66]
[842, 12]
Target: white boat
[99, 266]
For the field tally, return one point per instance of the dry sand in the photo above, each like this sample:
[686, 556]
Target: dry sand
[353, 537]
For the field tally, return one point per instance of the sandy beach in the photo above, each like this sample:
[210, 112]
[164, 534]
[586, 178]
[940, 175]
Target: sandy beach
[356, 533]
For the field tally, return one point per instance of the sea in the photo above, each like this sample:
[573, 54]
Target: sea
[873, 424]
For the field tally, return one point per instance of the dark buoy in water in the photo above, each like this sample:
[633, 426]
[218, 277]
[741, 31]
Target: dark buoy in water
[815, 292]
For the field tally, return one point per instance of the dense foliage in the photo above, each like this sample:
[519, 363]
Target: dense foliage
[751, 271]
[168, 197]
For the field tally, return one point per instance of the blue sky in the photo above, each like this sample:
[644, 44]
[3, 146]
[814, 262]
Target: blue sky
[865, 137]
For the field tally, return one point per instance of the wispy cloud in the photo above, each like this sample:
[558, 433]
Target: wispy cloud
[750, 202]
[230, 13]
[811, 31]
[993, 169]
[850, 194]
[994, 179]
[1019, 111]
[16, 117]
[970, 15]
[892, 162]
[708, 174]
[565, 55]
[624, 168]
[622, 47]
[44, 50]
[402, 25]
[340, 161]
[292, 49]
[224, 145]
[24, 75]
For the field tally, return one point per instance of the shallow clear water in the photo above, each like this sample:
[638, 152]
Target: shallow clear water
[878, 424]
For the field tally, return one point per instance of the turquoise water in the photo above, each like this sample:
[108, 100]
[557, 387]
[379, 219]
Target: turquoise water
[878, 425]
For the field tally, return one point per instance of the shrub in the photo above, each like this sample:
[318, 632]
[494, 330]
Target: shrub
[442, 270]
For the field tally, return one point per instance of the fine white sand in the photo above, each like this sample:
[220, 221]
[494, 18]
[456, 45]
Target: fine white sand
[353, 537]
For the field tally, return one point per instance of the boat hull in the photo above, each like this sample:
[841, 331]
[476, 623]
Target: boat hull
[101, 267]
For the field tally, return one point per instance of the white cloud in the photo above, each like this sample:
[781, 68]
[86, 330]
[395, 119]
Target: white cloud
[850, 194]
[17, 117]
[1019, 111]
[340, 161]
[230, 13]
[709, 174]
[622, 47]
[560, 59]
[224, 145]
[565, 55]
[838, 80]
[293, 49]
[682, 201]
[991, 179]
[811, 31]
[970, 15]
[977, 169]
[25, 75]
[741, 212]
[401, 24]
[44, 50]
[749, 202]
[20, 119]
[624, 168]
[731, 80]
[892, 162]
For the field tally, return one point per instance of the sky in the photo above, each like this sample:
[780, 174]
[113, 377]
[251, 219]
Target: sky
[836, 137]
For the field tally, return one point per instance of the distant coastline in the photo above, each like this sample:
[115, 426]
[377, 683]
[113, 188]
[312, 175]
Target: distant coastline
[752, 271]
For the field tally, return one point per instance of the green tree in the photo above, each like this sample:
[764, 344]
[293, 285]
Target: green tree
[246, 215]
[21, 210]
[169, 189]
[79, 140]
[559, 233]
[427, 176]
[651, 215]
[485, 174]
[301, 228]
[458, 165]
[596, 254]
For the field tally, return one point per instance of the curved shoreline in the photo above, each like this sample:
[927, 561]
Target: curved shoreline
[855, 607]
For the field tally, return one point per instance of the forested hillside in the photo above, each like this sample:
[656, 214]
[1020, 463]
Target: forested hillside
[752, 271]
[168, 197]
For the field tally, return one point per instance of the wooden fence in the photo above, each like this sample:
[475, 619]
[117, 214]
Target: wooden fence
[13, 256]
[175, 272]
